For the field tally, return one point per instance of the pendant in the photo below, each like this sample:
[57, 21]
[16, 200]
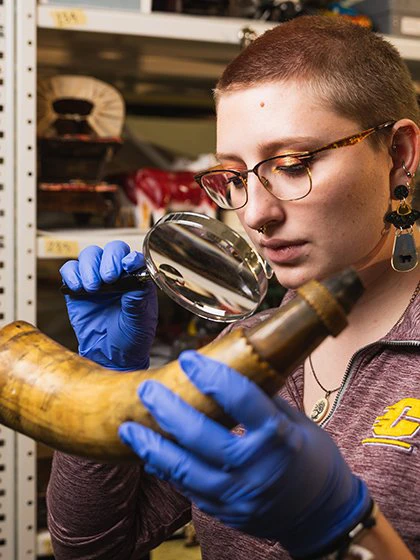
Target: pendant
[404, 254]
[319, 410]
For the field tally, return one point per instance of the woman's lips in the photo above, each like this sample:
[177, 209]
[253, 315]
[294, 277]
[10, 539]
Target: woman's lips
[281, 252]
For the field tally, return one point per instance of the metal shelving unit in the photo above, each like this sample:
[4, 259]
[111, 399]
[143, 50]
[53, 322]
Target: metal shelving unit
[7, 274]
[20, 246]
[25, 252]
[17, 255]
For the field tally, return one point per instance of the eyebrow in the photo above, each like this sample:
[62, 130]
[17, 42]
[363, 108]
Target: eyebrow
[286, 145]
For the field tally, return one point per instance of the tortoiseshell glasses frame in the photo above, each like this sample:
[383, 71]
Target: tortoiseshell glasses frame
[224, 185]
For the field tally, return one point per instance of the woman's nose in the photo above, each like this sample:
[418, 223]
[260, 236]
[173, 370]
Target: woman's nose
[262, 207]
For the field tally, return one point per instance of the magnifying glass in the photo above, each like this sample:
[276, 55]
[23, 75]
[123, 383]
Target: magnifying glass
[202, 264]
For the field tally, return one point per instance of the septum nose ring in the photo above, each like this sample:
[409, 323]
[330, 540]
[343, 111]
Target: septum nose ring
[261, 229]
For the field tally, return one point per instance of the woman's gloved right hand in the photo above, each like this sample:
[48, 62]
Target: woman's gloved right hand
[284, 479]
[113, 330]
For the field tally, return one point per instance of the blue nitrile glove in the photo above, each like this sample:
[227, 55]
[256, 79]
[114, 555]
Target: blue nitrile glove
[284, 479]
[115, 331]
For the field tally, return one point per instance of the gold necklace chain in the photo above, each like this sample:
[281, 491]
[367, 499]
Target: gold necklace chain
[321, 406]
[326, 391]
[413, 297]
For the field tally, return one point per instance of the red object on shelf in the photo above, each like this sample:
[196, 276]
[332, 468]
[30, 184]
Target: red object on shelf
[157, 192]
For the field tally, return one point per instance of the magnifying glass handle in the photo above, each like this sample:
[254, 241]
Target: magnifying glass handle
[126, 283]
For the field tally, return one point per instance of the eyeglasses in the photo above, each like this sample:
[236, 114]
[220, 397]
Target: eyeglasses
[287, 177]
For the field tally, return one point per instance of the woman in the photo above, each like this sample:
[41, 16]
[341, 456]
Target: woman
[336, 103]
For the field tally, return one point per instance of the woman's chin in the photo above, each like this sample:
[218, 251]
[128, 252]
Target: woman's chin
[294, 278]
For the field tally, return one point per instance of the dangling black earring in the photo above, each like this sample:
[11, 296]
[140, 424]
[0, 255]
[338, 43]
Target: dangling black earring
[404, 254]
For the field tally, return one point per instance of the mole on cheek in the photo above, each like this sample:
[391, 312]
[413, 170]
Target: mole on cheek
[262, 104]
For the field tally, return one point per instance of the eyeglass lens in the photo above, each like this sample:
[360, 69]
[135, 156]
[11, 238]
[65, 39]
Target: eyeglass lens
[286, 178]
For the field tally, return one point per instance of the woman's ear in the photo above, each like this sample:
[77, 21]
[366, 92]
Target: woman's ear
[405, 149]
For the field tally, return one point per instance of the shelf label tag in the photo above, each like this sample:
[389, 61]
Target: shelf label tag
[60, 247]
[68, 18]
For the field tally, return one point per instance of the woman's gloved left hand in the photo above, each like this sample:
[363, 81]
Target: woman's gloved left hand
[284, 479]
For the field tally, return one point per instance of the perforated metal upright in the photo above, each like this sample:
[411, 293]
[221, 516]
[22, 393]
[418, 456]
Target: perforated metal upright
[17, 255]
[25, 252]
[7, 263]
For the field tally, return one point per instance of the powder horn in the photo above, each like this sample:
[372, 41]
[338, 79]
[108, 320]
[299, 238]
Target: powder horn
[73, 405]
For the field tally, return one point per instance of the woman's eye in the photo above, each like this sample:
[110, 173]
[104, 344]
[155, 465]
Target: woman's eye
[295, 169]
[292, 168]
[235, 182]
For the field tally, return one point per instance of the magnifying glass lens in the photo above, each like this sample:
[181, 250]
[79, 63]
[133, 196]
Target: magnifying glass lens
[205, 266]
